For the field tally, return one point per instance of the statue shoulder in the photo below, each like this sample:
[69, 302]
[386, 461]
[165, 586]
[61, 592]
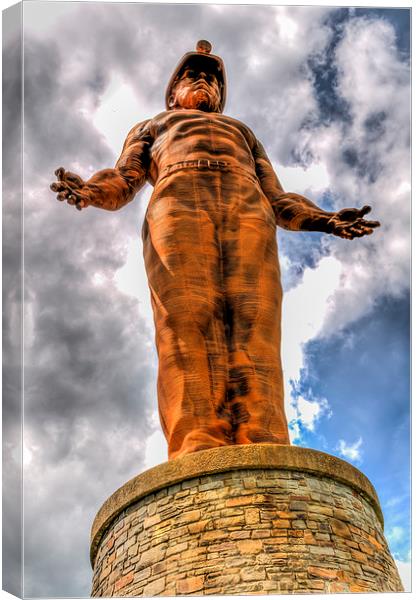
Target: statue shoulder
[243, 128]
[140, 129]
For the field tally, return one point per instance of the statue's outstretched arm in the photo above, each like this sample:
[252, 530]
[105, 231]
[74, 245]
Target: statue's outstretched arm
[110, 188]
[297, 213]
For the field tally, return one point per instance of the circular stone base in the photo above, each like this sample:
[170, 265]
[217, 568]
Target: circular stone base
[260, 518]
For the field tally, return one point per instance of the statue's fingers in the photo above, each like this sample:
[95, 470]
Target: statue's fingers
[357, 232]
[347, 235]
[72, 199]
[366, 223]
[75, 199]
[368, 230]
[365, 210]
[80, 203]
[60, 186]
[343, 232]
[56, 187]
[372, 224]
[60, 172]
[73, 179]
[62, 195]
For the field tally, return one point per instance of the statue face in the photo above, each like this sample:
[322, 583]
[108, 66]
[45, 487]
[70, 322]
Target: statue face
[196, 89]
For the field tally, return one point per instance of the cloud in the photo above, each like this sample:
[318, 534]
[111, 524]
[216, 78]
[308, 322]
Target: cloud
[155, 449]
[303, 312]
[395, 534]
[404, 569]
[368, 161]
[351, 451]
[309, 412]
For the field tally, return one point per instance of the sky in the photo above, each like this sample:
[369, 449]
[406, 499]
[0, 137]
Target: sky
[333, 114]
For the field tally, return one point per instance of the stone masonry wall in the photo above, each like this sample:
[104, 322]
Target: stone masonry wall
[266, 531]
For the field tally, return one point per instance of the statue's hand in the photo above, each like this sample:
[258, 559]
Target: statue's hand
[70, 187]
[349, 223]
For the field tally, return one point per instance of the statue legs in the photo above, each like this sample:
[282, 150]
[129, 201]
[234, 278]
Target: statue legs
[211, 259]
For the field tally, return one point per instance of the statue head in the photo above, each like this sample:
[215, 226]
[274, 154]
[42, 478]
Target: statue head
[198, 81]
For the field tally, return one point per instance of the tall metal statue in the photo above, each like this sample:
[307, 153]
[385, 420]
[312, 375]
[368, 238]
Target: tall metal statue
[209, 240]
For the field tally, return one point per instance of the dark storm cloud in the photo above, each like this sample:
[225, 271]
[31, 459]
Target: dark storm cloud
[55, 130]
[11, 112]
[11, 304]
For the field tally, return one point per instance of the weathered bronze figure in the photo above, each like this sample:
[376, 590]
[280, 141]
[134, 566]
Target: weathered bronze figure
[211, 258]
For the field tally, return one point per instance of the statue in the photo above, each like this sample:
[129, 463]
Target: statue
[209, 240]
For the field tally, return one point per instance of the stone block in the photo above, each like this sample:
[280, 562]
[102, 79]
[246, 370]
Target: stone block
[154, 588]
[208, 537]
[322, 573]
[189, 516]
[239, 534]
[336, 587]
[321, 510]
[142, 575]
[151, 521]
[230, 522]
[340, 528]
[253, 574]
[249, 546]
[252, 516]
[222, 581]
[309, 537]
[281, 524]
[123, 582]
[298, 506]
[299, 524]
[190, 585]
[176, 549]
[250, 499]
[359, 556]
[152, 556]
[316, 585]
[322, 550]
[198, 527]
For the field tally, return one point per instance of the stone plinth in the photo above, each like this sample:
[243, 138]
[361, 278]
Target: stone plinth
[260, 518]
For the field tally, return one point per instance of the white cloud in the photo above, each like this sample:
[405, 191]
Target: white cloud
[404, 569]
[295, 179]
[308, 411]
[395, 501]
[351, 451]
[131, 279]
[155, 449]
[395, 534]
[303, 315]
[117, 112]
[379, 66]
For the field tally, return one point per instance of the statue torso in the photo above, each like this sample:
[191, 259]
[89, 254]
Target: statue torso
[181, 135]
